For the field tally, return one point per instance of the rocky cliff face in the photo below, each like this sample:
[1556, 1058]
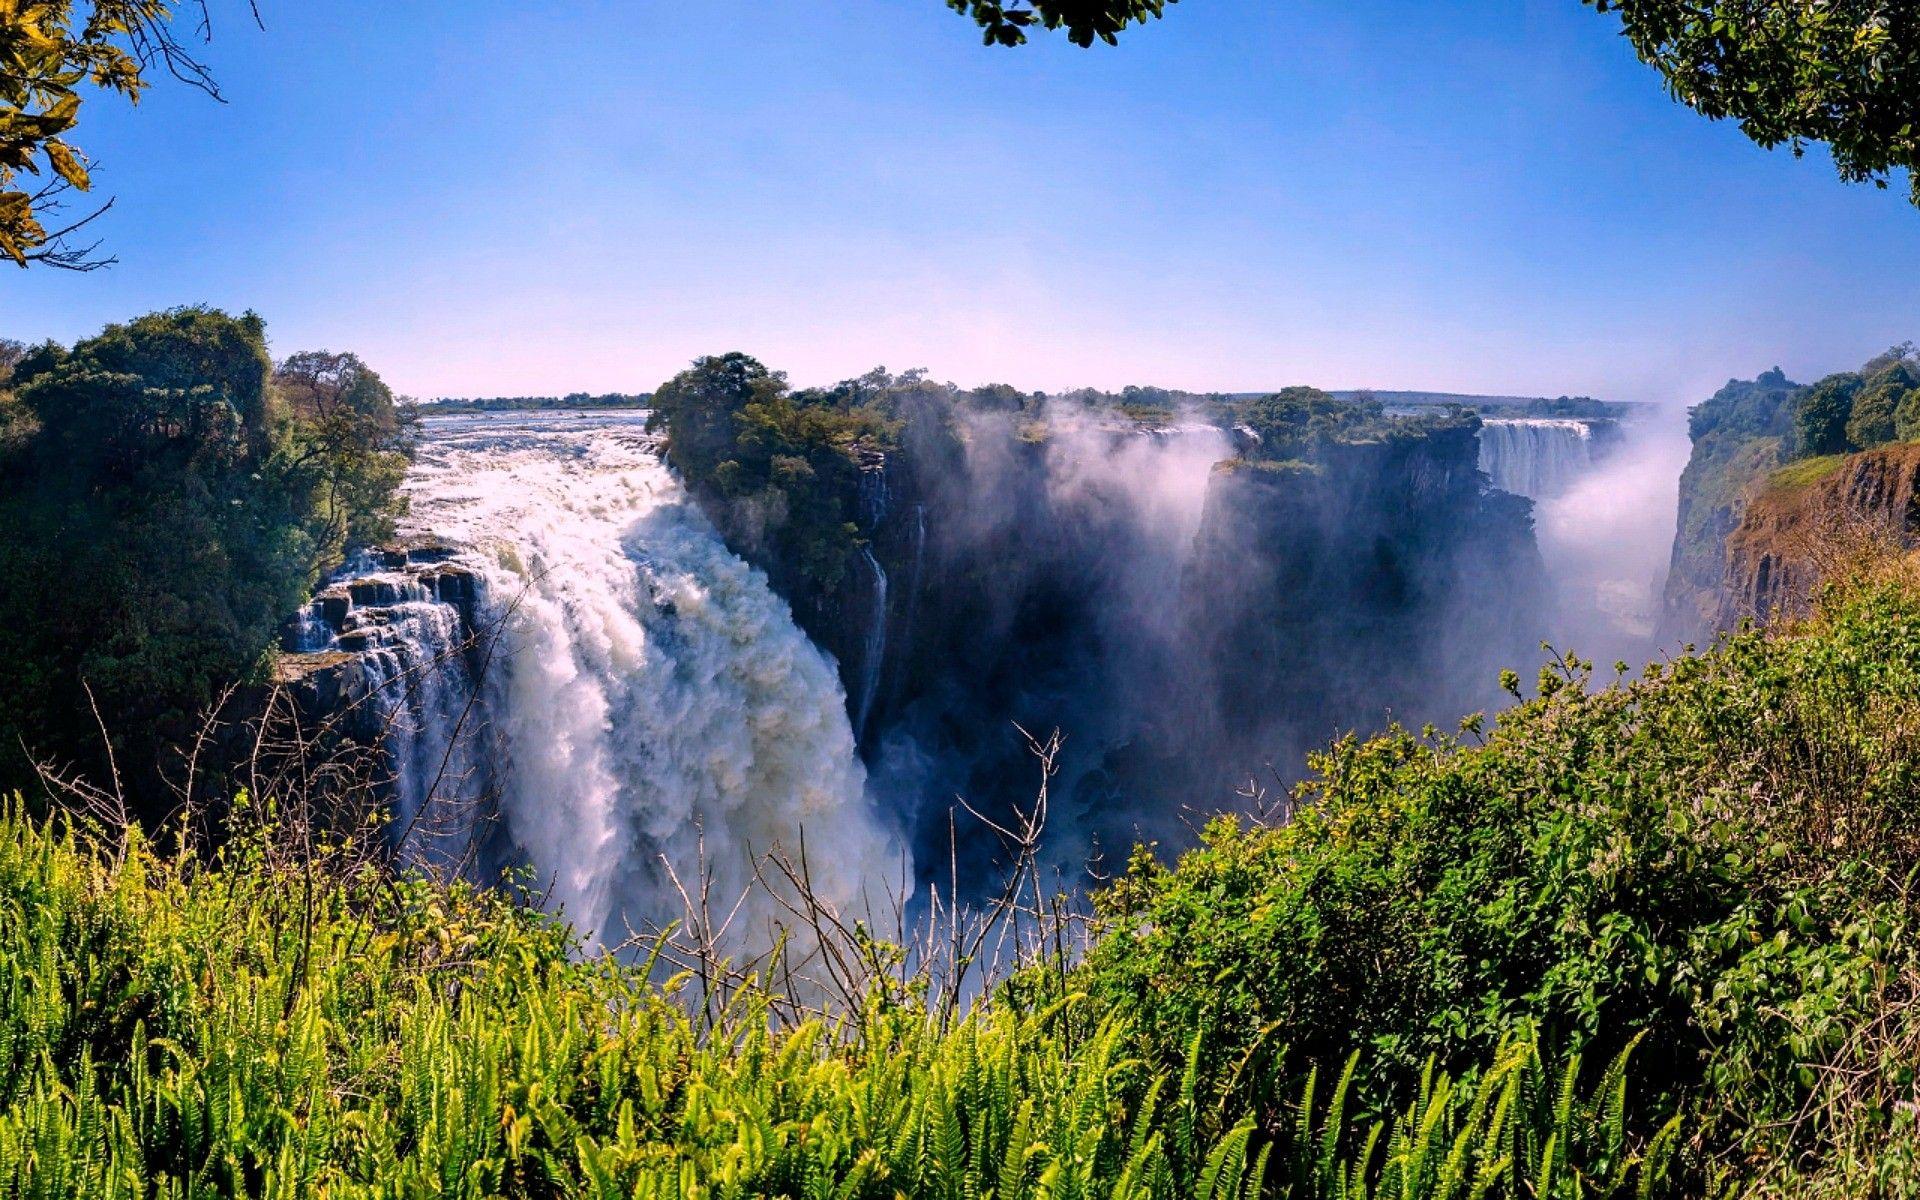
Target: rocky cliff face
[1808, 518]
[1387, 584]
[1739, 438]
[361, 636]
[1185, 623]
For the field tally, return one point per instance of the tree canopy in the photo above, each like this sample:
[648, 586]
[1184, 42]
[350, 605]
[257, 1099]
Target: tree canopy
[1005, 22]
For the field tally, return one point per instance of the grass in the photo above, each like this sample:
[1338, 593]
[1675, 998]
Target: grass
[1806, 472]
[182, 1028]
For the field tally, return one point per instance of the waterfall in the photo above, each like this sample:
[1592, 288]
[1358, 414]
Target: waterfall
[874, 653]
[875, 494]
[650, 699]
[416, 669]
[1536, 457]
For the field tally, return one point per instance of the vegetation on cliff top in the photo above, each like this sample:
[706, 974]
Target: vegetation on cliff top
[780, 470]
[1748, 431]
[169, 497]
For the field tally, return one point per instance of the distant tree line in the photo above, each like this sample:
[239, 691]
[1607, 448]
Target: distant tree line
[581, 400]
[167, 497]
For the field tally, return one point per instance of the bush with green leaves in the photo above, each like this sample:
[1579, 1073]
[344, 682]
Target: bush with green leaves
[1858, 410]
[1714, 861]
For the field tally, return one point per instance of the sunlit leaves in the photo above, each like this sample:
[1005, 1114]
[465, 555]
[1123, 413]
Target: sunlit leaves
[49, 51]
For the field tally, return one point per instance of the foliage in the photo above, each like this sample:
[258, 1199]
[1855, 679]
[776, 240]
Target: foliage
[17, 422]
[1821, 417]
[1714, 862]
[178, 1027]
[353, 440]
[1698, 883]
[1747, 431]
[1842, 72]
[1296, 424]
[1858, 410]
[1005, 22]
[49, 51]
[778, 470]
[171, 504]
[1871, 422]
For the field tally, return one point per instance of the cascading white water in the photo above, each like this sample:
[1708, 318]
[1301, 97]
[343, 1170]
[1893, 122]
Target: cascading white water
[417, 671]
[1537, 457]
[874, 653]
[650, 700]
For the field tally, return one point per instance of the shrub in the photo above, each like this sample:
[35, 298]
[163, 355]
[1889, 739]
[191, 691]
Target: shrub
[1713, 860]
[178, 1028]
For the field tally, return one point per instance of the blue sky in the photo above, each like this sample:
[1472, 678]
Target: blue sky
[492, 198]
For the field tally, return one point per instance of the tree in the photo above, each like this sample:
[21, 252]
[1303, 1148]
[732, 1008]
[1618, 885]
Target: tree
[998, 397]
[1872, 421]
[1820, 419]
[352, 439]
[49, 51]
[1295, 422]
[182, 501]
[149, 495]
[17, 424]
[1845, 73]
[699, 406]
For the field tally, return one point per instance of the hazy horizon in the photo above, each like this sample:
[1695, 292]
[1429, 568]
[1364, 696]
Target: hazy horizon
[1499, 200]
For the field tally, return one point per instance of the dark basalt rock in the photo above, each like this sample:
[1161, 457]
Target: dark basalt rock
[323, 662]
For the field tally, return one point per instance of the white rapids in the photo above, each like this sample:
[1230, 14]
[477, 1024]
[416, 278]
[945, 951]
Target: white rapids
[650, 697]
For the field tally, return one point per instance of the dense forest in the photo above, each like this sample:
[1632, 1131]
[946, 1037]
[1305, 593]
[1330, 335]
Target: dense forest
[170, 496]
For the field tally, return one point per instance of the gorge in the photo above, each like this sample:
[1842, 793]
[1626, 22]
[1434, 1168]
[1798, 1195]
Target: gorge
[574, 670]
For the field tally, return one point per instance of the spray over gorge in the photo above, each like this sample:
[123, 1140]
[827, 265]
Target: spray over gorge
[1195, 591]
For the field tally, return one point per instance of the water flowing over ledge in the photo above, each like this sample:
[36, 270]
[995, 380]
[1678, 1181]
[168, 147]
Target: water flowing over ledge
[1536, 457]
[648, 699]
